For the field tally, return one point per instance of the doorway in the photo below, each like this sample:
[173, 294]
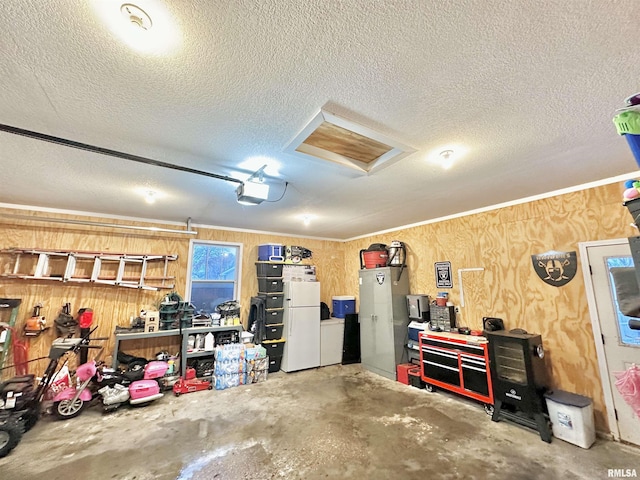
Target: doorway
[619, 346]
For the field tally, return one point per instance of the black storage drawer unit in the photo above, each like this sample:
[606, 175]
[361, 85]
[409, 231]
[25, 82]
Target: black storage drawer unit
[273, 300]
[273, 332]
[274, 364]
[269, 284]
[266, 269]
[274, 316]
[275, 348]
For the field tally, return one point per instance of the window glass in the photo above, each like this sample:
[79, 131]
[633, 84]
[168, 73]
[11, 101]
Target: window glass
[625, 334]
[214, 274]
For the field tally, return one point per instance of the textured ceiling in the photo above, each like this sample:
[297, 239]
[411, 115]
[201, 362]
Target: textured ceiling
[529, 88]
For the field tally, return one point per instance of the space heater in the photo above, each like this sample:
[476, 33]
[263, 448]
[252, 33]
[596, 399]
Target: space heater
[519, 377]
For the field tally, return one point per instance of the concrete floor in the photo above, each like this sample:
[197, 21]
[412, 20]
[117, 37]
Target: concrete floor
[332, 422]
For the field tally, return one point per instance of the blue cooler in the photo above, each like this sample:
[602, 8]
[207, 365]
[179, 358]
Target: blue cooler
[271, 252]
[414, 330]
[343, 305]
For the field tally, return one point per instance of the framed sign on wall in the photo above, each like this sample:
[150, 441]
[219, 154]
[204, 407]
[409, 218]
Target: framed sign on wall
[443, 275]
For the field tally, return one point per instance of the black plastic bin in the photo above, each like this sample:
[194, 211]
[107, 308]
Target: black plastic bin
[273, 332]
[266, 269]
[269, 284]
[274, 316]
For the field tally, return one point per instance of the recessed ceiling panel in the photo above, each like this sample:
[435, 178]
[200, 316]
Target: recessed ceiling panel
[344, 142]
[332, 138]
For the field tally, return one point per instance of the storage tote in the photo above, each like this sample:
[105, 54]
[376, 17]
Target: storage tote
[265, 269]
[571, 417]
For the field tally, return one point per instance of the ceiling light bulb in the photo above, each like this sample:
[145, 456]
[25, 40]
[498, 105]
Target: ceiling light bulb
[150, 197]
[446, 159]
[136, 17]
[446, 154]
[306, 219]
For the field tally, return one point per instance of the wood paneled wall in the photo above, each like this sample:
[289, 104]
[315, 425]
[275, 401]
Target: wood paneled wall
[502, 242]
[115, 305]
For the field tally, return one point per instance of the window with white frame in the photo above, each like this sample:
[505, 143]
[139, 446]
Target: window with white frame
[214, 273]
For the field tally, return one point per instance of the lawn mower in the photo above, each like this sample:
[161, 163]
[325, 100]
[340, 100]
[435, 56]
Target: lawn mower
[20, 397]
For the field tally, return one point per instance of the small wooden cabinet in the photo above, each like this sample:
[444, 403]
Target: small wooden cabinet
[459, 363]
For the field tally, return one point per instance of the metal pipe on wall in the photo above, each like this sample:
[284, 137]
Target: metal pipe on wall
[100, 224]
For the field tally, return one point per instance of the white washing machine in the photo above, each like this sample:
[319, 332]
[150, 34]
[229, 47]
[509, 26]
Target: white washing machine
[331, 341]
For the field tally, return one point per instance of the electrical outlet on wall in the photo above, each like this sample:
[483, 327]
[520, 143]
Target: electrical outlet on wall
[457, 309]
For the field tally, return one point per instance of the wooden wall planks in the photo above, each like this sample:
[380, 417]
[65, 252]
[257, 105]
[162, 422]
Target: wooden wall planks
[502, 241]
[115, 305]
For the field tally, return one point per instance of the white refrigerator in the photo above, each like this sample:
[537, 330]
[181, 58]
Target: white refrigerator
[301, 326]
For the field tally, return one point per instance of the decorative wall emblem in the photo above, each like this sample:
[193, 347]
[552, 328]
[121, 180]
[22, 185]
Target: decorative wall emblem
[555, 268]
[443, 275]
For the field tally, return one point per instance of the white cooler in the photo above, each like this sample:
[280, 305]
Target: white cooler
[571, 417]
[331, 340]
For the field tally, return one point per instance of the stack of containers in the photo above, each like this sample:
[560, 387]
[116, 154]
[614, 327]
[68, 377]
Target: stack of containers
[257, 364]
[230, 366]
[270, 287]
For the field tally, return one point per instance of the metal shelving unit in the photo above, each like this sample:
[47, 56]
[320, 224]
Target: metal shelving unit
[184, 354]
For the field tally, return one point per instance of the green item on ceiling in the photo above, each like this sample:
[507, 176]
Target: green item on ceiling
[627, 122]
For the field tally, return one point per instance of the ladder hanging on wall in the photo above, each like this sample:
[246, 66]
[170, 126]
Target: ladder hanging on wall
[130, 270]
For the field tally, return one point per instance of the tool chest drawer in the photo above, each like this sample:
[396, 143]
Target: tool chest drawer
[457, 363]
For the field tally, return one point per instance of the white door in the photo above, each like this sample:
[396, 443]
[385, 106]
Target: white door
[621, 345]
[302, 335]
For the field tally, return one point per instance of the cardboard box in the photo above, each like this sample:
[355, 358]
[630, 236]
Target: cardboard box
[151, 322]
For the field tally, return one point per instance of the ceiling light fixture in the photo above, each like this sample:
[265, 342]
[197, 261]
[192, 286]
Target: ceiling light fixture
[132, 24]
[135, 16]
[150, 197]
[446, 156]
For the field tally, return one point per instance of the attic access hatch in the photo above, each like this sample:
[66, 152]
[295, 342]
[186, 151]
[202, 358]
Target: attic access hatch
[332, 138]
